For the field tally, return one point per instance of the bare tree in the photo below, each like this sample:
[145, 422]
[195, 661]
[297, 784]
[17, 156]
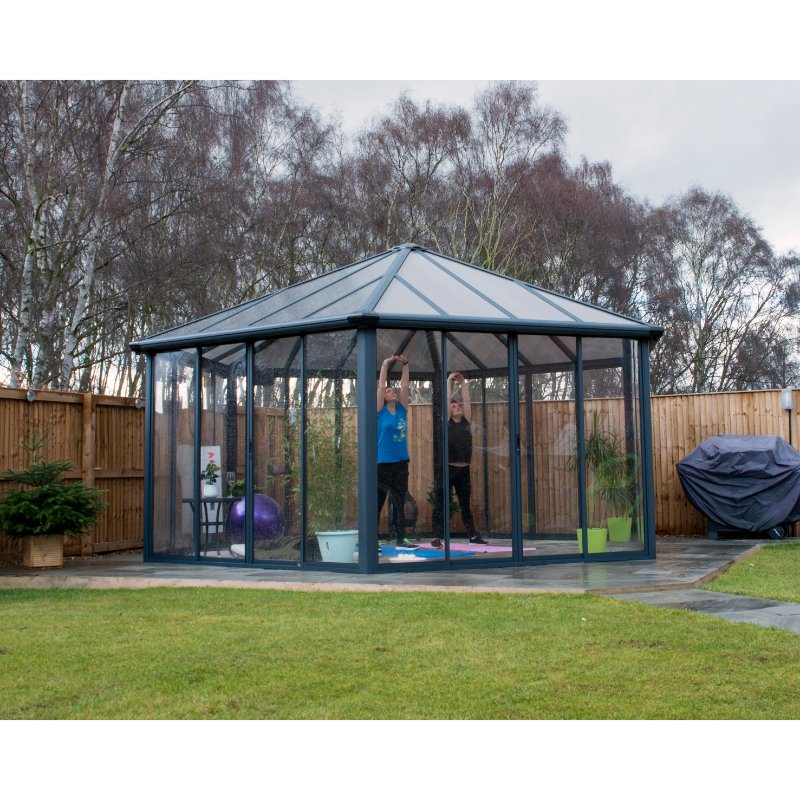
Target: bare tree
[718, 288]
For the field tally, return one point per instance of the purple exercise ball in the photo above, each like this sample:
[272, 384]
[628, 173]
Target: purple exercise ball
[267, 519]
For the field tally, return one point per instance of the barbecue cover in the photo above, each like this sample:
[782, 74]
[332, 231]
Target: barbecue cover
[750, 483]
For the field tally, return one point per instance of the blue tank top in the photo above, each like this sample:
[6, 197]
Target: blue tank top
[392, 435]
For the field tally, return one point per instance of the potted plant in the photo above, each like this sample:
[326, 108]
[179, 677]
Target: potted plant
[45, 509]
[209, 478]
[617, 486]
[600, 447]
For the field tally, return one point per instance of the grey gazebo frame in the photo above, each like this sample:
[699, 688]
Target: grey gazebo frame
[374, 294]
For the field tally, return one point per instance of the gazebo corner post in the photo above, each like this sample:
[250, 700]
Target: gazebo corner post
[444, 445]
[148, 458]
[648, 494]
[303, 466]
[366, 361]
[249, 467]
[485, 459]
[198, 435]
[581, 444]
[530, 465]
[514, 448]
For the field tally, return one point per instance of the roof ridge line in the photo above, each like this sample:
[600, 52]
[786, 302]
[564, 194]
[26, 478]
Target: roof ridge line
[388, 277]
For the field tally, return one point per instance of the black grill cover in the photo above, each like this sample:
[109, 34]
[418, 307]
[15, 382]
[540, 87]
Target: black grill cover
[749, 483]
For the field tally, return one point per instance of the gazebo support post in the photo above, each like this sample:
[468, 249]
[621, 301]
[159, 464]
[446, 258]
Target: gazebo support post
[579, 430]
[149, 406]
[514, 448]
[647, 449]
[198, 435]
[627, 400]
[529, 460]
[485, 455]
[249, 468]
[441, 501]
[367, 452]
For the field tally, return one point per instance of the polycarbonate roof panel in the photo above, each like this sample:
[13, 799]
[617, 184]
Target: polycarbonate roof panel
[399, 299]
[255, 311]
[448, 293]
[596, 349]
[467, 351]
[276, 354]
[587, 313]
[316, 296]
[542, 349]
[425, 285]
[419, 347]
[353, 303]
[517, 300]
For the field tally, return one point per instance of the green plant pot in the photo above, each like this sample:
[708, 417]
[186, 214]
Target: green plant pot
[597, 540]
[619, 529]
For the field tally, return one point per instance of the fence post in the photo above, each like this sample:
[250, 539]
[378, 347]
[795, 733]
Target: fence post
[88, 450]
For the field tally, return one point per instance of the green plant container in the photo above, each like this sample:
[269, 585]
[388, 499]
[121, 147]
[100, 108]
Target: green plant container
[597, 539]
[619, 529]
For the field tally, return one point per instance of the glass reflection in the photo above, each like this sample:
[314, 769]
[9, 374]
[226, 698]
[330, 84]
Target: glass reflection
[548, 445]
[612, 445]
[223, 402]
[173, 446]
[331, 446]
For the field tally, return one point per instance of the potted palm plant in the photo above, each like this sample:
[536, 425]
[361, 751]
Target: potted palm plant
[600, 448]
[618, 488]
[45, 509]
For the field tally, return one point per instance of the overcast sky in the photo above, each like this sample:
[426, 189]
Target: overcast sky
[661, 137]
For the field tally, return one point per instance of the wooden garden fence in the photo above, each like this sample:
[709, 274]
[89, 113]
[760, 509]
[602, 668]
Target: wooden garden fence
[104, 438]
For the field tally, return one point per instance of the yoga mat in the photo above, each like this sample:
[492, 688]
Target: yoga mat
[456, 547]
[420, 552]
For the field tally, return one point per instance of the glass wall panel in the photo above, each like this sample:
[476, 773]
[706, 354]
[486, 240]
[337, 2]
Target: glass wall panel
[410, 438]
[612, 444]
[478, 451]
[173, 452]
[548, 445]
[276, 451]
[223, 408]
[331, 435]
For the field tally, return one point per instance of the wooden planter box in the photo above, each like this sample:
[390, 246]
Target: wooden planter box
[41, 552]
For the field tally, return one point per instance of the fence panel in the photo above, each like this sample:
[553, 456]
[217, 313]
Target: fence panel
[104, 438]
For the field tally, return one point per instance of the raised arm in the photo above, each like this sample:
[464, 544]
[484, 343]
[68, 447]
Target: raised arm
[382, 380]
[404, 382]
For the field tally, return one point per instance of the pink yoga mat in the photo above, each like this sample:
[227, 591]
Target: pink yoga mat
[473, 548]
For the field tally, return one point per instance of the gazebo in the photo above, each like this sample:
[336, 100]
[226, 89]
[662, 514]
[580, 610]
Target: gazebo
[262, 424]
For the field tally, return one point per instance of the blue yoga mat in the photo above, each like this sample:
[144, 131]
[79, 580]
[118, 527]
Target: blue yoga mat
[420, 552]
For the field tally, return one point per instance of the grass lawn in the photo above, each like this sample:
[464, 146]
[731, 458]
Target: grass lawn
[239, 653]
[773, 572]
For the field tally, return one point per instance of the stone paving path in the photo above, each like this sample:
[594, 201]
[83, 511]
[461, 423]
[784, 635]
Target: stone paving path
[735, 608]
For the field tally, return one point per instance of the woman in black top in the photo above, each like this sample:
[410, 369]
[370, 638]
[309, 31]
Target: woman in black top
[459, 455]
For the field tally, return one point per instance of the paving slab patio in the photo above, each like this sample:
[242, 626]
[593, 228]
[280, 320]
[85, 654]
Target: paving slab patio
[681, 563]
[673, 580]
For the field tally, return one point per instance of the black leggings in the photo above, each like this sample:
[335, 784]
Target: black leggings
[460, 481]
[393, 481]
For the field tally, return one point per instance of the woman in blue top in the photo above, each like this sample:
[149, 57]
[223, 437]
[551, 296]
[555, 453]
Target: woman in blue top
[393, 447]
